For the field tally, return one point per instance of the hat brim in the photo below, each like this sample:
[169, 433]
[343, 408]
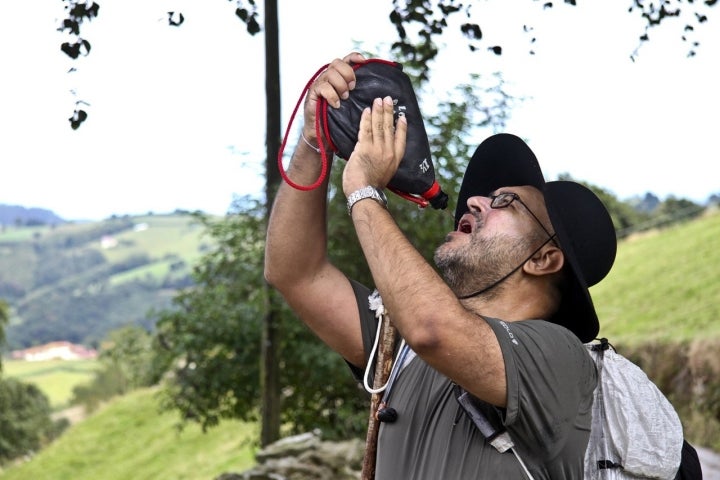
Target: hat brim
[587, 237]
[583, 226]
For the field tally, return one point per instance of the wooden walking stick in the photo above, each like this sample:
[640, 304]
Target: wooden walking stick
[383, 366]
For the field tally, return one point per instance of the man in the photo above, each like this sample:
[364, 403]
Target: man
[505, 322]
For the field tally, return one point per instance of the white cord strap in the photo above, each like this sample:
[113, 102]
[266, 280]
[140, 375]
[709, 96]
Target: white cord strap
[503, 443]
[522, 464]
[371, 361]
[377, 306]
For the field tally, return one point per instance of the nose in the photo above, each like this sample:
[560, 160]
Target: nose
[478, 203]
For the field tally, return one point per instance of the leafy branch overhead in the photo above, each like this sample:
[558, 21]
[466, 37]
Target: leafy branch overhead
[248, 16]
[655, 14]
[418, 24]
[77, 13]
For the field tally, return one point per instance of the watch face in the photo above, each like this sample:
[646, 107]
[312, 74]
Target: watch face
[382, 196]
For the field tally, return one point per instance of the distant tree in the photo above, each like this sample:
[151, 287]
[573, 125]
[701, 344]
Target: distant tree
[128, 361]
[25, 423]
[647, 204]
[130, 349]
[635, 215]
[679, 208]
[4, 319]
[108, 382]
[213, 336]
[55, 264]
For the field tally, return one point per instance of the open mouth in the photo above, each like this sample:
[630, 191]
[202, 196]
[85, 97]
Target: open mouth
[465, 225]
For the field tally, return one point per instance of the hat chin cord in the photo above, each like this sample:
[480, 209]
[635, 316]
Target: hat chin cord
[506, 276]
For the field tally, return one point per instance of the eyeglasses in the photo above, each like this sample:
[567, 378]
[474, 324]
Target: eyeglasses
[505, 199]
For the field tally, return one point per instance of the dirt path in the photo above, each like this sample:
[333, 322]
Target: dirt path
[710, 462]
[73, 414]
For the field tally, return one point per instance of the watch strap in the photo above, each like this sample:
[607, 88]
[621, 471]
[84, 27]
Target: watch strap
[362, 194]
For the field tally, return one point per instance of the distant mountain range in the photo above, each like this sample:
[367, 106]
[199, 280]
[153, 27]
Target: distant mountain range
[22, 216]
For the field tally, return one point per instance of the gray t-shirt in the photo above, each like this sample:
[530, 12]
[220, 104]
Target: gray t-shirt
[550, 380]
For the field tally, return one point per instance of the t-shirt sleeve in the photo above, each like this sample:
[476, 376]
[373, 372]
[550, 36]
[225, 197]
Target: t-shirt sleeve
[368, 324]
[550, 380]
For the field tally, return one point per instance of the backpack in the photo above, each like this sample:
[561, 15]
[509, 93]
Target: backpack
[635, 431]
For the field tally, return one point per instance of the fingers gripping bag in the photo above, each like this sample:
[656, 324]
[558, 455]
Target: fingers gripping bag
[414, 179]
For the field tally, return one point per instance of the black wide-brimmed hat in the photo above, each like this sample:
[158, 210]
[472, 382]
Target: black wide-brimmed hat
[583, 225]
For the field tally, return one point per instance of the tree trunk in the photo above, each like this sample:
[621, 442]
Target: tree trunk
[270, 381]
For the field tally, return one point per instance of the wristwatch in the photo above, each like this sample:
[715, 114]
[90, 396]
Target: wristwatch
[366, 192]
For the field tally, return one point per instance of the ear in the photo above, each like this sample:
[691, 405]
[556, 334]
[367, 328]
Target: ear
[550, 259]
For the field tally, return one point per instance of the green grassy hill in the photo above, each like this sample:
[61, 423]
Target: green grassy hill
[78, 281]
[129, 439]
[664, 286]
[55, 378]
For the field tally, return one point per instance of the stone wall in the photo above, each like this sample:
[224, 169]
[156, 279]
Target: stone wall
[305, 457]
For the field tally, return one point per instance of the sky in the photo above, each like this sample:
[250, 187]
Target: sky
[176, 116]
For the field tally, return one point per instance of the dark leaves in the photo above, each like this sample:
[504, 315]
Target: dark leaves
[78, 117]
[253, 26]
[175, 19]
[249, 18]
[471, 30]
[77, 12]
[497, 49]
[72, 25]
[74, 50]
[242, 14]
[81, 10]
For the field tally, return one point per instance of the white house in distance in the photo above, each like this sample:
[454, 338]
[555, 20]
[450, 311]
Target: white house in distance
[55, 351]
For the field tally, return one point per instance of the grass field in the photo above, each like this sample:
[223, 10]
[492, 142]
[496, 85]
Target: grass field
[664, 286]
[55, 378]
[129, 439]
[152, 240]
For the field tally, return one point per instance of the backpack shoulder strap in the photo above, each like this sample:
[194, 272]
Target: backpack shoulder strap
[499, 439]
[690, 468]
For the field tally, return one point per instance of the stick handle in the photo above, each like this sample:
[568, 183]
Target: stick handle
[383, 366]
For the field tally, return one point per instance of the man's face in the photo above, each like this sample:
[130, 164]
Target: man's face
[490, 242]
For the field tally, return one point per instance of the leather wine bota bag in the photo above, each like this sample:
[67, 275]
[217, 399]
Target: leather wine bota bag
[376, 78]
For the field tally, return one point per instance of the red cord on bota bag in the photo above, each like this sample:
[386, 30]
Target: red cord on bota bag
[321, 144]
